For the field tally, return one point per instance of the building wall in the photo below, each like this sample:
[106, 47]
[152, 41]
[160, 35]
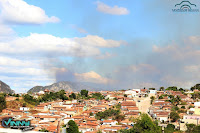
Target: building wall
[197, 111]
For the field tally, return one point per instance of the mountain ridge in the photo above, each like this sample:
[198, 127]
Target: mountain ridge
[64, 85]
[4, 88]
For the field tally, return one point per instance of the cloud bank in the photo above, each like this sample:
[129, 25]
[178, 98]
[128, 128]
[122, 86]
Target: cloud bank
[101, 7]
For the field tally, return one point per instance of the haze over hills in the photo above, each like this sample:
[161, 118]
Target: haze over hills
[67, 86]
[4, 88]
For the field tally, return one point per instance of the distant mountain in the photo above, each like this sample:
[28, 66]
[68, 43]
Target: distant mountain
[64, 85]
[4, 88]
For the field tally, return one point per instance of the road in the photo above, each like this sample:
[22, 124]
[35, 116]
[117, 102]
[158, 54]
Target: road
[144, 104]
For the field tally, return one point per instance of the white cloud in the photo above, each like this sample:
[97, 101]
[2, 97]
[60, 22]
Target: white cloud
[105, 56]
[44, 44]
[22, 71]
[5, 30]
[6, 33]
[19, 12]
[23, 84]
[8, 61]
[97, 41]
[92, 77]
[101, 7]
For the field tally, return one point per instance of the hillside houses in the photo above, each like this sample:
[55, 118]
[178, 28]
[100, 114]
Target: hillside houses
[130, 103]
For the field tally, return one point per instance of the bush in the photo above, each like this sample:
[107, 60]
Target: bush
[144, 125]
[2, 102]
[183, 107]
[73, 128]
[174, 116]
[170, 128]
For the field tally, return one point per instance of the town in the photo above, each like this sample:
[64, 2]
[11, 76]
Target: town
[165, 110]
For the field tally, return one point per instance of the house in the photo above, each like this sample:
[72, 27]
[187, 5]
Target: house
[132, 114]
[129, 104]
[112, 129]
[41, 93]
[197, 111]
[191, 117]
[44, 107]
[68, 105]
[59, 108]
[127, 122]
[84, 129]
[66, 120]
[48, 117]
[70, 111]
[162, 116]
[110, 122]
[131, 93]
[24, 108]
[153, 92]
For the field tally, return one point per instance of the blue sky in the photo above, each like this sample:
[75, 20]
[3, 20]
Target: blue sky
[124, 44]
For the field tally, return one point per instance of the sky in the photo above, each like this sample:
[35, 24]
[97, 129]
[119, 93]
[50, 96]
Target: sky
[115, 43]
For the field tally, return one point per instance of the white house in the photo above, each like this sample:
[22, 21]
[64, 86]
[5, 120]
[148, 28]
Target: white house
[131, 93]
[41, 92]
[153, 91]
[66, 120]
[84, 129]
[68, 105]
[197, 104]
[24, 108]
[109, 122]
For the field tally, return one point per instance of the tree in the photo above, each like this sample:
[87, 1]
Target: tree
[183, 107]
[73, 128]
[192, 88]
[161, 97]
[197, 86]
[118, 106]
[2, 103]
[177, 99]
[115, 98]
[125, 95]
[174, 116]
[24, 105]
[181, 89]
[29, 99]
[119, 117]
[173, 88]
[175, 108]
[190, 128]
[99, 131]
[91, 114]
[170, 128]
[84, 93]
[73, 95]
[152, 89]
[152, 99]
[162, 89]
[107, 113]
[98, 96]
[145, 125]
[43, 130]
